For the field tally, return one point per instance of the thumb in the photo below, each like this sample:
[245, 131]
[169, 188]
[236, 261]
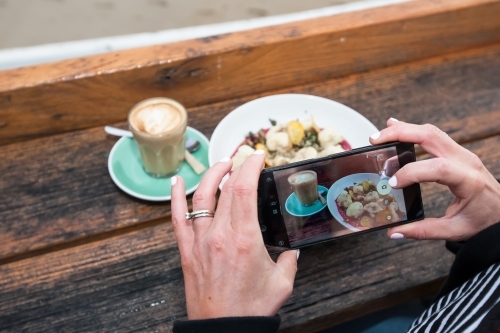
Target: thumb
[430, 228]
[287, 263]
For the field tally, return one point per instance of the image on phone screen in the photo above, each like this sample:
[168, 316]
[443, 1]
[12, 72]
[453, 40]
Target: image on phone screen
[335, 197]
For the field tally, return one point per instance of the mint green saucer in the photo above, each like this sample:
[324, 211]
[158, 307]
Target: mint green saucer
[125, 168]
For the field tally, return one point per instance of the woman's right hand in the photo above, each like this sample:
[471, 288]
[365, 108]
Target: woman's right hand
[227, 269]
[477, 193]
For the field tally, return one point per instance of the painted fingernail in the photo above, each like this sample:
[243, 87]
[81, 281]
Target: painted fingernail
[397, 235]
[375, 136]
[224, 160]
[393, 181]
[259, 152]
[393, 119]
[298, 254]
[173, 180]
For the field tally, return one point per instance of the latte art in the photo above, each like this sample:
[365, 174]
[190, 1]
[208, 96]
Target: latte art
[157, 118]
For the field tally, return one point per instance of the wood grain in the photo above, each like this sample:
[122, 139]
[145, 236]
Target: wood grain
[134, 282]
[57, 190]
[97, 90]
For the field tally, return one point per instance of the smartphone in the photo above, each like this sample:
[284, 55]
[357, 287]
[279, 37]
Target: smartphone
[336, 196]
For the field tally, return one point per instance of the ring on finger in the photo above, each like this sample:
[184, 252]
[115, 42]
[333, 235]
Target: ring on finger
[199, 213]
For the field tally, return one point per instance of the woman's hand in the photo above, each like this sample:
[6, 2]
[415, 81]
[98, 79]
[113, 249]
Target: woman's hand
[227, 270]
[477, 193]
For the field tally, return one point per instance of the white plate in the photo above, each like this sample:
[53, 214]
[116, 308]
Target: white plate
[254, 115]
[350, 180]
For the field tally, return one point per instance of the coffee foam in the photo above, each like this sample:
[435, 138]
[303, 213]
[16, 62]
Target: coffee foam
[157, 118]
[302, 177]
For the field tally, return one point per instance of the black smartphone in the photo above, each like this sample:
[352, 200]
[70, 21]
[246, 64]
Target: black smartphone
[336, 196]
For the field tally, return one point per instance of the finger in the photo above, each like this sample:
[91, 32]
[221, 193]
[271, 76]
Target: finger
[437, 170]
[223, 212]
[431, 138]
[392, 121]
[431, 228]
[204, 197]
[287, 264]
[182, 227]
[244, 201]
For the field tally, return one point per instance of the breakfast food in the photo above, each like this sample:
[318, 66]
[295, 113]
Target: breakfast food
[363, 207]
[291, 142]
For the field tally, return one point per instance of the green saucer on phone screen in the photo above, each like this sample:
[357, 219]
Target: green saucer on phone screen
[125, 168]
[295, 207]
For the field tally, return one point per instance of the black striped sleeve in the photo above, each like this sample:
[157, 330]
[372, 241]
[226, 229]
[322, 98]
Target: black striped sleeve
[464, 308]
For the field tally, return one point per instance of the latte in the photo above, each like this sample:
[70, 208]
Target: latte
[305, 186]
[159, 127]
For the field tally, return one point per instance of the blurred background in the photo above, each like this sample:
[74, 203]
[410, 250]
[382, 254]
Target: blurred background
[39, 31]
[34, 22]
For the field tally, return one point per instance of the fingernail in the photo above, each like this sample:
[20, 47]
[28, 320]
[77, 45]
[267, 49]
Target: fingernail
[173, 180]
[375, 136]
[259, 152]
[393, 119]
[224, 160]
[393, 181]
[298, 254]
[397, 235]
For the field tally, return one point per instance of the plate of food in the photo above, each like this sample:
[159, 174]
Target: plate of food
[355, 202]
[290, 128]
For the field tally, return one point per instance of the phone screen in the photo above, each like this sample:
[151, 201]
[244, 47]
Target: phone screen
[338, 196]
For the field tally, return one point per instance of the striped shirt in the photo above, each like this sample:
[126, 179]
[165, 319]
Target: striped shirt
[463, 309]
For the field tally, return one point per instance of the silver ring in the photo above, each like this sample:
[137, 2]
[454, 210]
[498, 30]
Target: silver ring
[199, 213]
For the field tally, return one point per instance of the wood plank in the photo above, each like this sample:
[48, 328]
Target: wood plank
[134, 282]
[102, 284]
[57, 190]
[98, 90]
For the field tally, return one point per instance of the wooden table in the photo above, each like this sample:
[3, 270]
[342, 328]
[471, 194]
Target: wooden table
[77, 254]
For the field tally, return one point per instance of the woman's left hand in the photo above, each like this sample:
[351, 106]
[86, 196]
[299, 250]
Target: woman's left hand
[477, 193]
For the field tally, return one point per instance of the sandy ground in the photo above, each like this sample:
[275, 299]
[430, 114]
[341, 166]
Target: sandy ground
[34, 22]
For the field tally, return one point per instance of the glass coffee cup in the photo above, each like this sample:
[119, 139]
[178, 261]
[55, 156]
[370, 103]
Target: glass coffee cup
[305, 186]
[159, 128]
